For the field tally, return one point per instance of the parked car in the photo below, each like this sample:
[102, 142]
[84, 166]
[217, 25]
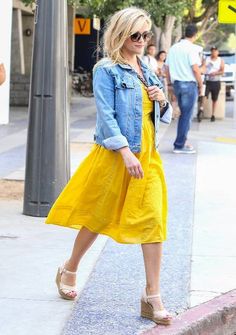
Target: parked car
[230, 69]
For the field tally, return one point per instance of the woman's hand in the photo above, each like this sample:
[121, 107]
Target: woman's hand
[155, 93]
[132, 163]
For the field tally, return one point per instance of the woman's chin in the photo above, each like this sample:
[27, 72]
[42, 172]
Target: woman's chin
[139, 51]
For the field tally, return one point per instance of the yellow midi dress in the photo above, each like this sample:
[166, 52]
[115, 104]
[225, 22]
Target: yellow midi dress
[103, 197]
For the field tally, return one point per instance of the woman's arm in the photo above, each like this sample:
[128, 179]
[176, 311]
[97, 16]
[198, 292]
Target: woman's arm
[132, 163]
[104, 92]
[2, 73]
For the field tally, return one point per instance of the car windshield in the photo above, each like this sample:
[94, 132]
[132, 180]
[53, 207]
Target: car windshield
[229, 59]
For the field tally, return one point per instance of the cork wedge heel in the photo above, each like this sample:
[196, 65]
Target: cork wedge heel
[161, 317]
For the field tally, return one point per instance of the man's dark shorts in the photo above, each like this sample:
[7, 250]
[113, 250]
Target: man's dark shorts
[213, 87]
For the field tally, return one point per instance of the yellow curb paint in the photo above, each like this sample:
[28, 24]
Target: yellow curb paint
[226, 140]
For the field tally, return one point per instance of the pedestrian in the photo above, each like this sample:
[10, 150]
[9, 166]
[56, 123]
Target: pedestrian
[119, 190]
[201, 95]
[184, 74]
[161, 68]
[2, 73]
[150, 59]
[214, 69]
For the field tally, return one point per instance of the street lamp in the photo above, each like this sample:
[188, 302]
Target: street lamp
[47, 160]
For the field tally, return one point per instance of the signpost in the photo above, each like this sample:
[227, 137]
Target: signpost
[97, 26]
[227, 15]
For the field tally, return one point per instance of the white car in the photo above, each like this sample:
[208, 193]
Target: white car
[230, 71]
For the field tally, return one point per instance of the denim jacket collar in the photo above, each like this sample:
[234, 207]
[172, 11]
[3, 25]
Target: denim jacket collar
[144, 67]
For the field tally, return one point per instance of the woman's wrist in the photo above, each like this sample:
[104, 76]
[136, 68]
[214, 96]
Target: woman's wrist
[124, 150]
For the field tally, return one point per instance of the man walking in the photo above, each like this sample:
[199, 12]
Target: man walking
[214, 69]
[184, 74]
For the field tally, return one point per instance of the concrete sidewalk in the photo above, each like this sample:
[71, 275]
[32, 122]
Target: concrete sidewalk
[199, 256]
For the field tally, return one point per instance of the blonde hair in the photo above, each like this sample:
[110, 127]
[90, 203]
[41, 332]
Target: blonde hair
[120, 26]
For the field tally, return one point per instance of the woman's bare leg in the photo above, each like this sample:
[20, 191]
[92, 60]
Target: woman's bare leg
[152, 253]
[83, 242]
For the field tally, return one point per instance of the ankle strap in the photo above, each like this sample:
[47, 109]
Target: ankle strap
[150, 296]
[153, 296]
[63, 270]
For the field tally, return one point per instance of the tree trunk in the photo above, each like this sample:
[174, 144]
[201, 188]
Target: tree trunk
[166, 37]
[163, 37]
[178, 33]
[157, 37]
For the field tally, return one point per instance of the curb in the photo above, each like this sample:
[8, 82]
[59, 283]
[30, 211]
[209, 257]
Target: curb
[214, 317]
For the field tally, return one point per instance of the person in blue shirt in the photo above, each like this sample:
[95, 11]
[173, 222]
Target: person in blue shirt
[183, 73]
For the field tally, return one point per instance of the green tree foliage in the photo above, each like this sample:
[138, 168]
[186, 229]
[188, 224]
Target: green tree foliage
[204, 14]
[28, 2]
[70, 2]
[159, 9]
[201, 12]
[219, 36]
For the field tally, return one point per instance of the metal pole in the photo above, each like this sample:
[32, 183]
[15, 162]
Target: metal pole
[97, 26]
[47, 160]
[97, 52]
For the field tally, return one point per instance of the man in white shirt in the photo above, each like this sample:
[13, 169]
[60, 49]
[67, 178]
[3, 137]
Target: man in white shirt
[150, 59]
[184, 74]
[214, 69]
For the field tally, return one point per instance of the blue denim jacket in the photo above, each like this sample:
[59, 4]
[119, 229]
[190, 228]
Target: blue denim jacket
[118, 97]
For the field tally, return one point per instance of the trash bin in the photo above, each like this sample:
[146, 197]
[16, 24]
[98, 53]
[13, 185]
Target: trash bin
[220, 107]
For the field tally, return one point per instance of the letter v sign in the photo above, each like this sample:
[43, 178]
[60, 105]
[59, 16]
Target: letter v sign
[82, 26]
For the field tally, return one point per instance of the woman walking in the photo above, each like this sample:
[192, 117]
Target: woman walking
[119, 190]
[161, 68]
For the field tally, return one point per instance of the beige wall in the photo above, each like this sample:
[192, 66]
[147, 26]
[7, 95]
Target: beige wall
[22, 49]
[15, 45]
[21, 45]
[28, 23]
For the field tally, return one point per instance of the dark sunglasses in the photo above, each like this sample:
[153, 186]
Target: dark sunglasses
[146, 35]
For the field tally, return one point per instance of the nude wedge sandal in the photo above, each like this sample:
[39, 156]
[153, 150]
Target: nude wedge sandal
[64, 289]
[161, 317]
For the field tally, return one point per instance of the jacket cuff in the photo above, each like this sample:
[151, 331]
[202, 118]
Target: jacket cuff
[167, 117]
[115, 142]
